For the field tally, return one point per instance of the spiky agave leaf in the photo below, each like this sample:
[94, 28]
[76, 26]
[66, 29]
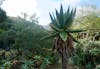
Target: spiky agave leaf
[75, 31]
[54, 21]
[55, 28]
[61, 17]
[70, 19]
[58, 17]
[53, 35]
[66, 15]
[75, 40]
[61, 20]
[60, 24]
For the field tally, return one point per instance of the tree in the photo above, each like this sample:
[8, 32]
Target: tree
[2, 12]
[7, 39]
[2, 15]
[89, 17]
[28, 35]
[7, 34]
[91, 22]
[61, 24]
[1, 1]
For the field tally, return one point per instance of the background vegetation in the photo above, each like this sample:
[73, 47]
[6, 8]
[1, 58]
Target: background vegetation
[21, 47]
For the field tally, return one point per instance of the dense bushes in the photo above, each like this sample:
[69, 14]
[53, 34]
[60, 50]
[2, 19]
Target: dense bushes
[22, 41]
[2, 15]
[87, 56]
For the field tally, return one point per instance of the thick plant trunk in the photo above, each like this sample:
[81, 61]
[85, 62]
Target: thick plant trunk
[64, 60]
[64, 49]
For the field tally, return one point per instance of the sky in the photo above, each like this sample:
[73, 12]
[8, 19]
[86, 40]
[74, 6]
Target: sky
[42, 7]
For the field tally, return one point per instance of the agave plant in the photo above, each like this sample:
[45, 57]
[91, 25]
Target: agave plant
[61, 24]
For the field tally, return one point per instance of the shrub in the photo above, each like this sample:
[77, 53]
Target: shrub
[87, 55]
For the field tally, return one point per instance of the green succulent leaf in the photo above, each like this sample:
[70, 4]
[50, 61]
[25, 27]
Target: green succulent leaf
[61, 16]
[50, 36]
[75, 40]
[54, 21]
[63, 36]
[57, 16]
[62, 20]
[55, 28]
[67, 14]
[75, 31]
[70, 19]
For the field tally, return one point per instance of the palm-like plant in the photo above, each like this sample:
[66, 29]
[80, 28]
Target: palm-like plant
[62, 33]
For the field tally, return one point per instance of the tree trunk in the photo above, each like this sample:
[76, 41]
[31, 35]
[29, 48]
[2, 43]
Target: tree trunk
[64, 60]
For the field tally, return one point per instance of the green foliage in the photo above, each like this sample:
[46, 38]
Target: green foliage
[87, 55]
[28, 64]
[22, 33]
[42, 61]
[7, 34]
[98, 67]
[91, 22]
[2, 15]
[63, 36]
[61, 23]
[25, 35]
[6, 65]
[28, 34]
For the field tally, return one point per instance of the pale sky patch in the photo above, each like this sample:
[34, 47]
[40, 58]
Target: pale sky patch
[40, 7]
[83, 11]
[16, 7]
[72, 2]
